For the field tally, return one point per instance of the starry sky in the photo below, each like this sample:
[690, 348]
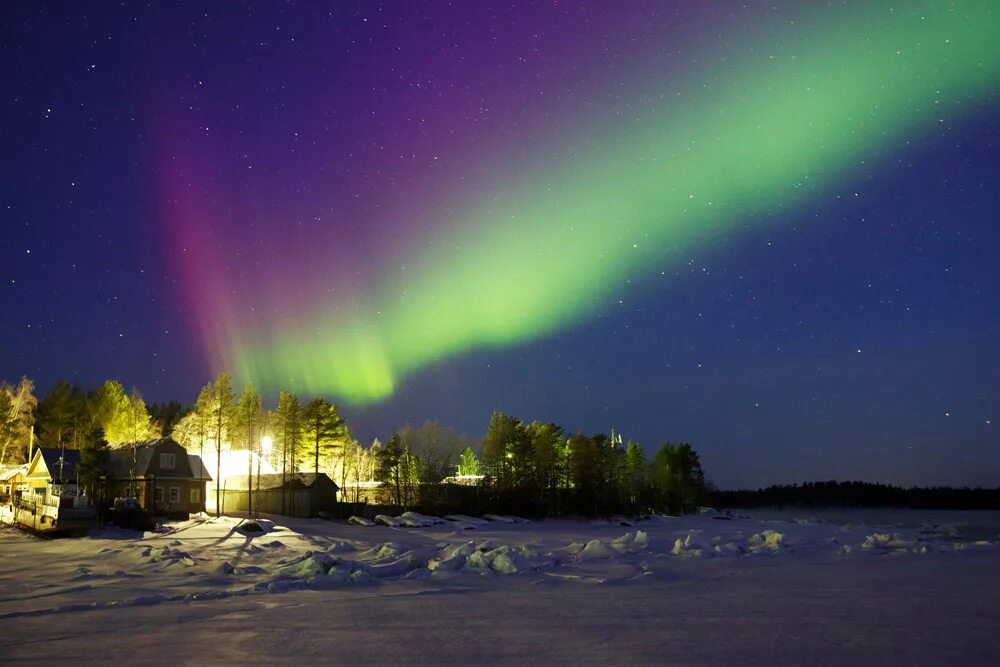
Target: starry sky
[763, 228]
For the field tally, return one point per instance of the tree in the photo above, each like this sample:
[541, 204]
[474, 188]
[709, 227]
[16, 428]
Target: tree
[8, 421]
[63, 416]
[323, 427]
[409, 477]
[249, 416]
[93, 455]
[677, 477]
[583, 471]
[110, 410]
[187, 430]
[498, 448]
[468, 464]
[166, 416]
[290, 430]
[17, 418]
[434, 448]
[634, 477]
[223, 413]
[203, 421]
[387, 466]
[140, 426]
[546, 441]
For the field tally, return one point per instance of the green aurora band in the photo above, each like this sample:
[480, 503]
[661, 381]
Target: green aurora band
[623, 200]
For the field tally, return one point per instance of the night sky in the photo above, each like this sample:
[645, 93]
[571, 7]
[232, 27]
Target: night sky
[765, 228]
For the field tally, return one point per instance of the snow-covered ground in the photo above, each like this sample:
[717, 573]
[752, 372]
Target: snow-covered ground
[693, 590]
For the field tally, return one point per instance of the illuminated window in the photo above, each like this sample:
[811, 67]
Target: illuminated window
[167, 462]
[175, 494]
[196, 495]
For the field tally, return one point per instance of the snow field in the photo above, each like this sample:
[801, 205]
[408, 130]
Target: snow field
[209, 558]
[740, 591]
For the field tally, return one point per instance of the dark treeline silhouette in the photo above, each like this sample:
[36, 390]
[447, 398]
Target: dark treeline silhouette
[859, 494]
[535, 469]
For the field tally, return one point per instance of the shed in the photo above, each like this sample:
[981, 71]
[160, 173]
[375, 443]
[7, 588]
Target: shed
[303, 494]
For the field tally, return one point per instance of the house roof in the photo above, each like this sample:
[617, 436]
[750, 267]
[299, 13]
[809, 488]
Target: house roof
[64, 470]
[274, 481]
[198, 468]
[121, 464]
[9, 472]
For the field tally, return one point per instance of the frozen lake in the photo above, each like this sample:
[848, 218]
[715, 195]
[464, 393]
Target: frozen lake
[694, 590]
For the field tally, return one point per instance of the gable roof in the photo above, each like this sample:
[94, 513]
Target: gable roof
[139, 459]
[59, 464]
[274, 481]
[10, 472]
[198, 469]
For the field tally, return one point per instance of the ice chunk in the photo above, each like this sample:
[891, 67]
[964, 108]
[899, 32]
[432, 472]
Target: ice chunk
[767, 541]
[387, 520]
[509, 562]
[886, 542]
[596, 549]
[308, 565]
[396, 568]
[691, 546]
[340, 548]
[389, 550]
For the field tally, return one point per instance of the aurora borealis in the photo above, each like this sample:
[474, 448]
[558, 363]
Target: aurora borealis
[626, 198]
[422, 210]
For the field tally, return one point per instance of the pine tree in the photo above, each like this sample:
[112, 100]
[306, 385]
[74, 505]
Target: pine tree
[634, 481]
[93, 456]
[248, 417]
[223, 418]
[203, 419]
[323, 427]
[387, 466]
[290, 428]
[498, 448]
[63, 416]
[468, 464]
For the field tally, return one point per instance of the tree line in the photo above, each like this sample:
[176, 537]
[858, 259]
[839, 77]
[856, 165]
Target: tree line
[536, 469]
[859, 494]
[530, 468]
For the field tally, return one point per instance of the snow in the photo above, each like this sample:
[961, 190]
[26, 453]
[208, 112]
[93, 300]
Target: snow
[778, 591]
[360, 521]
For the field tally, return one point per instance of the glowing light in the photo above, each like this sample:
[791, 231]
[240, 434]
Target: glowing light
[552, 242]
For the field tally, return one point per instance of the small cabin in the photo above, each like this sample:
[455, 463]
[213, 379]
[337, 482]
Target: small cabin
[13, 480]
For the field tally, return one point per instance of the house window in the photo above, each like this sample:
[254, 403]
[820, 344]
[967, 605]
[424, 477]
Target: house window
[195, 496]
[175, 494]
[167, 461]
[158, 494]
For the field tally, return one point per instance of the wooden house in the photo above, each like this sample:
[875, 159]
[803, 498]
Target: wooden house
[13, 480]
[51, 499]
[160, 475]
